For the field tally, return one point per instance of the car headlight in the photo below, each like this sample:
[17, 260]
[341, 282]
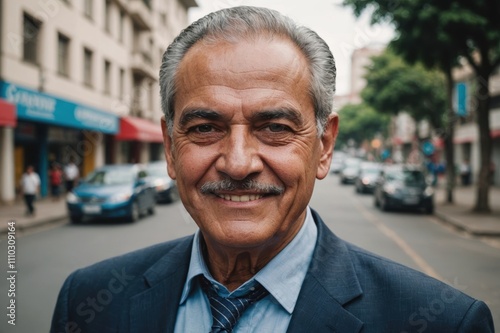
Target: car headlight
[161, 185]
[365, 181]
[390, 189]
[72, 198]
[120, 197]
[429, 191]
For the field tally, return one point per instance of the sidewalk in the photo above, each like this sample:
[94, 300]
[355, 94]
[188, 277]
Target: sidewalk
[459, 215]
[47, 211]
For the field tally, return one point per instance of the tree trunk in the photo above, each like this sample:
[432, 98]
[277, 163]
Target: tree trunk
[485, 142]
[449, 130]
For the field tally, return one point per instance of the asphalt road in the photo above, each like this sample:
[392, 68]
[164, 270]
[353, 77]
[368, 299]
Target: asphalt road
[46, 257]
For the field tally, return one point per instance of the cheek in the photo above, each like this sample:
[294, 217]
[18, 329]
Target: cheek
[193, 163]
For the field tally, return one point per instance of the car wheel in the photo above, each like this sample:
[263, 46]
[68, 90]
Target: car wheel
[429, 209]
[384, 205]
[151, 210]
[135, 213]
[75, 219]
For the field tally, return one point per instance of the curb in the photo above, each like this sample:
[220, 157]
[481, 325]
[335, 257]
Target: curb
[456, 223]
[38, 223]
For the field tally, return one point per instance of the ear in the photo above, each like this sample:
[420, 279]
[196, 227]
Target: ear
[167, 149]
[327, 145]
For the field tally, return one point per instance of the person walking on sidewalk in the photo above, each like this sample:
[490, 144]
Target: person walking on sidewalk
[30, 187]
[55, 177]
[71, 175]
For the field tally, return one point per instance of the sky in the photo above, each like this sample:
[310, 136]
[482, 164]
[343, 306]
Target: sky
[336, 24]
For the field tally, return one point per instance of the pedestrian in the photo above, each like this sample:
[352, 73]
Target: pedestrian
[30, 187]
[71, 174]
[248, 128]
[55, 178]
[465, 172]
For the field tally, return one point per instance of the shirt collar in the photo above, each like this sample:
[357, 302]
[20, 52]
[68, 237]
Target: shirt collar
[282, 276]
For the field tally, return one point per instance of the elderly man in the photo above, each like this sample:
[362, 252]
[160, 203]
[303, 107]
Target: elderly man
[248, 127]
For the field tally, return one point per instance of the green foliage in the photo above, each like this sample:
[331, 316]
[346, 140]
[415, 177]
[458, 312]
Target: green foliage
[359, 122]
[393, 86]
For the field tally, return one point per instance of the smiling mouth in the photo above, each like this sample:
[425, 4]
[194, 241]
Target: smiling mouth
[240, 198]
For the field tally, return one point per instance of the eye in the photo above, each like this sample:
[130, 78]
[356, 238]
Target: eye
[204, 128]
[278, 127]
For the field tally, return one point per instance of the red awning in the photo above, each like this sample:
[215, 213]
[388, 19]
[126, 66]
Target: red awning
[8, 116]
[138, 129]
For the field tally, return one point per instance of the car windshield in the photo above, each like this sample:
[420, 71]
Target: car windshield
[352, 162]
[371, 171]
[110, 177]
[408, 177]
[158, 170]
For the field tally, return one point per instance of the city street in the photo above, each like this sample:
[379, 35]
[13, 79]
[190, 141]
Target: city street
[46, 257]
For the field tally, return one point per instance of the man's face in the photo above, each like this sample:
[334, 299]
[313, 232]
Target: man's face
[243, 113]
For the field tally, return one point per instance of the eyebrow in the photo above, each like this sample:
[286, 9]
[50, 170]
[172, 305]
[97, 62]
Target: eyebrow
[285, 113]
[199, 113]
[282, 113]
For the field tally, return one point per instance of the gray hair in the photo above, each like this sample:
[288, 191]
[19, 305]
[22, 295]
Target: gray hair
[235, 23]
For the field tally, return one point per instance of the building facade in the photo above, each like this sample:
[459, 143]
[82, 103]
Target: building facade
[79, 81]
[466, 138]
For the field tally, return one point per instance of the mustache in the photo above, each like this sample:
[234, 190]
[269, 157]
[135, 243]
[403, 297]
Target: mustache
[229, 184]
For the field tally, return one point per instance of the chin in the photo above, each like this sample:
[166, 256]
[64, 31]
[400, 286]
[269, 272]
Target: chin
[241, 238]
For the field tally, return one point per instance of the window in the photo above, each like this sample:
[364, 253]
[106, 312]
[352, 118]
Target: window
[62, 55]
[107, 16]
[121, 27]
[87, 7]
[121, 84]
[87, 67]
[107, 77]
[163, 19]
[31, 32]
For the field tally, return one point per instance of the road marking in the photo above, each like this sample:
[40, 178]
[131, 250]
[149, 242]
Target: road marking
[391, 234]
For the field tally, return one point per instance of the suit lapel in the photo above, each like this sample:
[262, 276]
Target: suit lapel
[155, 309]
[330, 283]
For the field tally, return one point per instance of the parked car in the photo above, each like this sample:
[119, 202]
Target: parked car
[112, 191]
[367, 177]
[337, 161]
[165, 187]
[349, 171]
[404, 187]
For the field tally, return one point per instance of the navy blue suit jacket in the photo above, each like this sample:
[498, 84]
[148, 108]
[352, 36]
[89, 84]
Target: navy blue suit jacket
[346, 290]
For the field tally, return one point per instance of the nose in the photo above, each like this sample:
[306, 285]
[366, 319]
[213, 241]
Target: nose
[239, 157]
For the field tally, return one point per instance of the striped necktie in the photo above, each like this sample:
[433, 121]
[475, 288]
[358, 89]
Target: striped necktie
[227, 311]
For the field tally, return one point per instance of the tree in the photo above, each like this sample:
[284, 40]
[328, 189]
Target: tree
[438, 33]
[393, 86]
[359, 122]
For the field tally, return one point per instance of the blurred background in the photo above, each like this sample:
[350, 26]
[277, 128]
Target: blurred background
[418, 95]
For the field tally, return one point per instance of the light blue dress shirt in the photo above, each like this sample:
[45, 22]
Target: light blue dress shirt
[282, 277]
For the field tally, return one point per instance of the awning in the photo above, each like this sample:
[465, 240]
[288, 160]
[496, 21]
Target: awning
[138, 129]
[8, 115]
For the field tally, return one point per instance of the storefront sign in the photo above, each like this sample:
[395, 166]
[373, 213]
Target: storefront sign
[35, 106]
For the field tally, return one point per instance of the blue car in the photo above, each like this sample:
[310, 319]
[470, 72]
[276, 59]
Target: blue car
[113, 191]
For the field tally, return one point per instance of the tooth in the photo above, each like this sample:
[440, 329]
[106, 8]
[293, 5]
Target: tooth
[235, 198]
[227, 197]
[245, 198]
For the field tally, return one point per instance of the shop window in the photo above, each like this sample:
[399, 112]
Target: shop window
[62, 55]
[31, 32]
